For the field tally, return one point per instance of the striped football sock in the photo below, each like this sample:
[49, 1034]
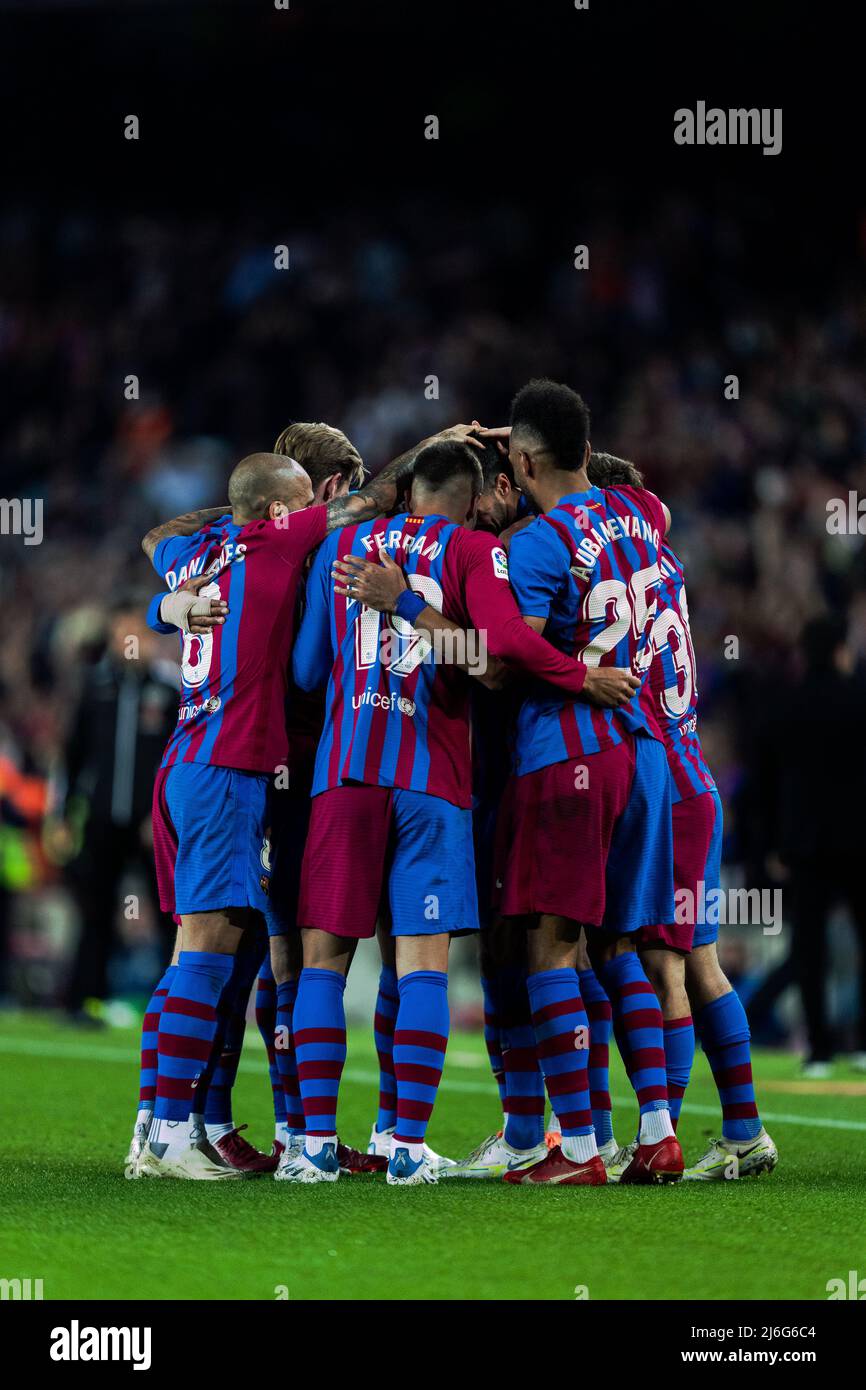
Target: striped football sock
[679, 1056]
[600, 1015]
[287, 1062]
[724, 1033]
[420, 1040]
[266, 1022]
[524, 1080]
[187, 1028]
[216, 1103]
[319, 1028]
[387, 1005]
[640, 1034]
[149, 1036]
[562, 1042]
[493, 1041]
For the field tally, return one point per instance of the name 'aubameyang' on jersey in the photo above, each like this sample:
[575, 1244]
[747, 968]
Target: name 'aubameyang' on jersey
[671, 686]
[590, 567]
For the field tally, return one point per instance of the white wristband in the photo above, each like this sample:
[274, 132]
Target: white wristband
[177, 608]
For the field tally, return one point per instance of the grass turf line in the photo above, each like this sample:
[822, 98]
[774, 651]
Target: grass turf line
[69, 1217]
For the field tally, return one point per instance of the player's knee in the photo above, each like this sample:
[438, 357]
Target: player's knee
[325, 951]
[286, 957]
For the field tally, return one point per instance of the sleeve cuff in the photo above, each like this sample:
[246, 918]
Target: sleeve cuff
[154, 621]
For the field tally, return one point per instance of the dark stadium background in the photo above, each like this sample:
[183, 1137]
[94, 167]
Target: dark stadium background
[409, 258]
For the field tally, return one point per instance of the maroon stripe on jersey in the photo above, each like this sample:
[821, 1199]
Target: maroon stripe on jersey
[379, 717]
[448, 737]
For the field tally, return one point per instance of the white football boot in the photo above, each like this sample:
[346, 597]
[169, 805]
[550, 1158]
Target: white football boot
[616, 1162]
[735, 1158]
[293, 1148]
[136, 1146]
[323, 1167]
[405, 1172]
[198, 1162]
[493, 1158]
[380, 1143]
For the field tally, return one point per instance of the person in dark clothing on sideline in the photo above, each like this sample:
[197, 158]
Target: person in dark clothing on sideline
[812, 780]
[126, 710]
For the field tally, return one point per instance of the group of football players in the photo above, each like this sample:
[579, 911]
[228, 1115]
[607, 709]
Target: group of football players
[457, 697]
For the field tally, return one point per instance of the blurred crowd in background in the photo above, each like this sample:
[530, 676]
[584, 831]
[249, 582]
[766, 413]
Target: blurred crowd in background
[142, 357]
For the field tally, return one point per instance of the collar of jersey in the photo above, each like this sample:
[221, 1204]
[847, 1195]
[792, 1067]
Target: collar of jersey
[576, 499]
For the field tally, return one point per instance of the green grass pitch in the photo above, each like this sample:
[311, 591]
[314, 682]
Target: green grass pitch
[67, 1215]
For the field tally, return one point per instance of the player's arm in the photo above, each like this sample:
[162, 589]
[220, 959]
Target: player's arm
[313, 656]
[493, 609]
[384, 588]
[185, 525]
[184, 610]
[377, 497]
[503, 639]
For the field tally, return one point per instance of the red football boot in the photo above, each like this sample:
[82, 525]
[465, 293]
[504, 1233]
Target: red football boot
[238, 1153]
[661, 1162]
[354, 1162]
[558, 1169]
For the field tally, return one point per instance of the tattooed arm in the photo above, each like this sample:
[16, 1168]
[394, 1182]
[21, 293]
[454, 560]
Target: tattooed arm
[378, 496]
[185, 525]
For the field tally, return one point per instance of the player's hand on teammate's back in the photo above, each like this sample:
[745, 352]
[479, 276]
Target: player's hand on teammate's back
[609, 686]
[377, 586]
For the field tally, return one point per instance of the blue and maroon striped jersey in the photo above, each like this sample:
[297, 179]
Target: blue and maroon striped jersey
[234, 679]
[670, 689]
[590, 567]
[393, 717]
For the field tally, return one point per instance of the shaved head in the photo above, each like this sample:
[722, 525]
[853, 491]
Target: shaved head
[260, 480]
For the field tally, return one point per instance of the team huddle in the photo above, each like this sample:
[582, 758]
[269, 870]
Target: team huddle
[458, 697]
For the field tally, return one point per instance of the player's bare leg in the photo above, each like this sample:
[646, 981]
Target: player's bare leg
[319, 1038]
[745, 1148]
[420, 1040]
[562, 1043]
[187, 1029]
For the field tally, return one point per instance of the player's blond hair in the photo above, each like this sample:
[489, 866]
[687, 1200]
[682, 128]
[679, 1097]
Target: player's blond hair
[322, 450]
